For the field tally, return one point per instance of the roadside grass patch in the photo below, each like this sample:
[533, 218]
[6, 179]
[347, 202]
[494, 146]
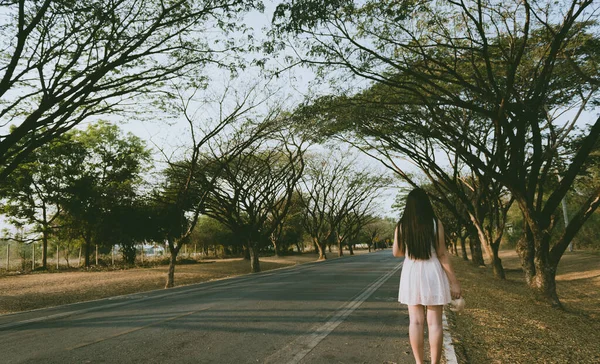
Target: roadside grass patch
[503, 323]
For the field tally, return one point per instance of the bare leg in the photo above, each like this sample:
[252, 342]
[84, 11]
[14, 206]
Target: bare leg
[434, 324]
[415, 331]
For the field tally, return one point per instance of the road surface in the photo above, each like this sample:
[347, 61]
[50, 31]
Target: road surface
[336, 311]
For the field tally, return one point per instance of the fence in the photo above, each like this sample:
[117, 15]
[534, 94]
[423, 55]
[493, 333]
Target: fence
[20, 257]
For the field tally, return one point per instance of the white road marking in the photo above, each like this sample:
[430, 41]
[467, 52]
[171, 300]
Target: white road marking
[295, 351]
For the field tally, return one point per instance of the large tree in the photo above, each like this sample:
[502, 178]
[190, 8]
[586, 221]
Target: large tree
[182, 195]
[64, 61]
[510, 64]
[35, 193]
[253, 192]
[337, 199]
[103, 196]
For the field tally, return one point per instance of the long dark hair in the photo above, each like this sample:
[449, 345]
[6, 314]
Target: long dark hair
[417, 225]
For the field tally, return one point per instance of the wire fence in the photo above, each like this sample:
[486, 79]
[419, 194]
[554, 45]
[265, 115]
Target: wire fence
[22, 257]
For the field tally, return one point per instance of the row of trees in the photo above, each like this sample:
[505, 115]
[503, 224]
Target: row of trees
[64, 62]
[483, 97]
[96, 187]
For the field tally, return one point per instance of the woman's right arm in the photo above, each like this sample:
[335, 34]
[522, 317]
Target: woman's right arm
[396, 250]
[442, 253]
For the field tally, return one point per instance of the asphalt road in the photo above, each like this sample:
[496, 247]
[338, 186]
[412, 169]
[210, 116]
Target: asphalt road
[337, 311]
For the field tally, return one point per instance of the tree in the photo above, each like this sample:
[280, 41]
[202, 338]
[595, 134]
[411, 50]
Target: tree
[509, 64]
[336, 199]
[101, 198]
[352, 206]
[378, 230]
[210, 232]
[65, 61]
[189, 179]
[253, 192]
[34, 194]
[289, 231]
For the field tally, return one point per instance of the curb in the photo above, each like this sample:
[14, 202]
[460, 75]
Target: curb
[449, 352]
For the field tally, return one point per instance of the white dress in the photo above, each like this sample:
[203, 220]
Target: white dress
[424, 282]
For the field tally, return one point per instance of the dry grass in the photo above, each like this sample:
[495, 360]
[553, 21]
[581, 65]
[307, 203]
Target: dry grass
[504, 324]
[42, 289]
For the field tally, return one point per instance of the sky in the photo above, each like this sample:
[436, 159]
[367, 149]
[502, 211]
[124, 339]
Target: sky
[292, 87]
[171, 135]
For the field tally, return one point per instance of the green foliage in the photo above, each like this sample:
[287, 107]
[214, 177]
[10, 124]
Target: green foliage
[66, 61]
[210, 232]
[34, 194]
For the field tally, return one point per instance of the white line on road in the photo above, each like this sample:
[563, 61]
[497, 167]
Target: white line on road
[295, 351]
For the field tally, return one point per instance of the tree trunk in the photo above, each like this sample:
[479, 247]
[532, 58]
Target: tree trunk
[67, 251]
[463, 247]
[340, 248]
[254, 262]
[497, 262]
[87, 253]
[351, 249]
[476, 253]
[544, 283]
[246, 253]
[321, 249]
[171, 273]
[44, 248]
[174, 250]
[274, 242]
[526, 251]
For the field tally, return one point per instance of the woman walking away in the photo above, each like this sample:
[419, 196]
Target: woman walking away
[427, 278]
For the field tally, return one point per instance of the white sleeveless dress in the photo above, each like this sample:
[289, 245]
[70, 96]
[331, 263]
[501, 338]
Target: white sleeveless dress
[424, 282]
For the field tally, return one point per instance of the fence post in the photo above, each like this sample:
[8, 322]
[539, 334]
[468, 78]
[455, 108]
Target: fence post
[96, 254]
[142, 251]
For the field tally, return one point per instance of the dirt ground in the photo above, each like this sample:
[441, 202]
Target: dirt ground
[503, 323]
[42, 289]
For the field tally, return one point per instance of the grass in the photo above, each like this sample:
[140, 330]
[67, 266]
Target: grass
[43, 289]
[503, 323]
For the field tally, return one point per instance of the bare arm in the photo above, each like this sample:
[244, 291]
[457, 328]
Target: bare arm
[396, 249]
[442, 254]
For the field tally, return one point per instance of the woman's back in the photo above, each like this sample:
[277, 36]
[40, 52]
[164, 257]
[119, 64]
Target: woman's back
[423, 280]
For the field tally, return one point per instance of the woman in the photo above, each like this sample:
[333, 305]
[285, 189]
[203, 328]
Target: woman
[427, 278]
